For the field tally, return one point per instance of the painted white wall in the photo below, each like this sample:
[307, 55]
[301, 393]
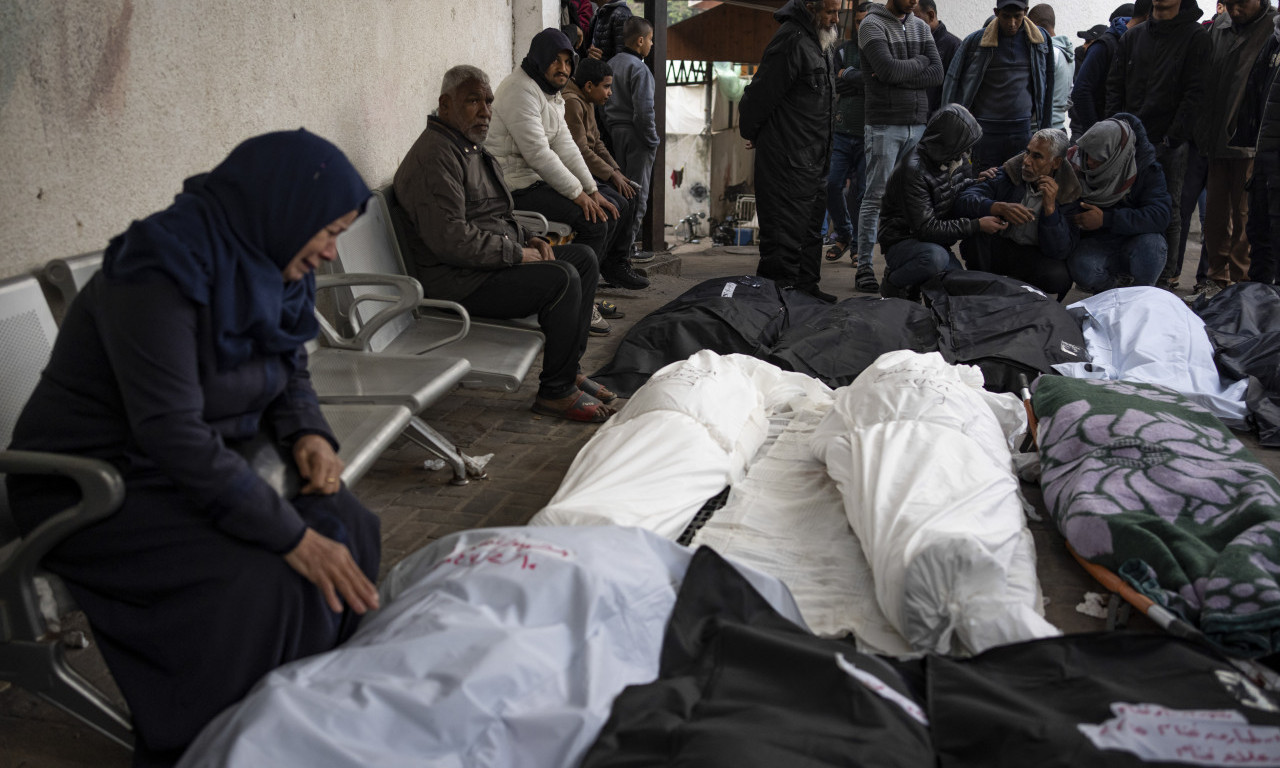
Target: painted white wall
[965, 16]
[106, 105]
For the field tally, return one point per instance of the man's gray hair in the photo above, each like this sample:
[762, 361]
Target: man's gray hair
[463, 73]
[1056, 138]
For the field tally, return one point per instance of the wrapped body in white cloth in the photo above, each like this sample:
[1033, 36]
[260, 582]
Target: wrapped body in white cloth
[920, 453]
[500, 647]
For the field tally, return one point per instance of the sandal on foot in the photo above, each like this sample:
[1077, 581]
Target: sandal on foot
[584, 408]
[609, 311]
[835, 252]
[596, 390]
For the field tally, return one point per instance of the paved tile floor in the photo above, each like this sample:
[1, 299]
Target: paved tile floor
[530, 456]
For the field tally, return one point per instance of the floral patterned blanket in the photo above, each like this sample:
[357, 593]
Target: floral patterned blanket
[1150, 485]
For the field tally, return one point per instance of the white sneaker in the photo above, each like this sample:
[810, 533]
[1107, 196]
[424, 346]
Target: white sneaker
[599, 326]
[1208, 290]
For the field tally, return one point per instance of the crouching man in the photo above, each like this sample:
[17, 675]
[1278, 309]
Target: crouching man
[1036, 193]
[917, 226]
[1124, 207]
[469, 248]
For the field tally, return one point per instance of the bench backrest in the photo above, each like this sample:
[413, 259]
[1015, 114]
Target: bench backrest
[369, 245]
[68, 276]
[27, 332]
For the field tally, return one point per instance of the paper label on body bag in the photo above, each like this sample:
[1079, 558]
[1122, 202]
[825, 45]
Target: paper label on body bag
[727, 291]
[1194, 737]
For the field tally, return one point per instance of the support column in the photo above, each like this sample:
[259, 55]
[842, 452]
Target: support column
[653, 229]
[528, 18]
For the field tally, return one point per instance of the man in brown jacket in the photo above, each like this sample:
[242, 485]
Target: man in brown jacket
[590, 87]
[469, 248]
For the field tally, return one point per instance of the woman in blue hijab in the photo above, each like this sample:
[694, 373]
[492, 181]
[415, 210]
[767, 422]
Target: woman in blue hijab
[187, 343]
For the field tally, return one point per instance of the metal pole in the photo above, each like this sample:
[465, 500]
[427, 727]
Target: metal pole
[652, 230]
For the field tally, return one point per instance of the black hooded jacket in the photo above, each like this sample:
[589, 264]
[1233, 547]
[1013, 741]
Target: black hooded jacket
[1258, 121]
[918, 197]
[787, 107]
[1158, 74]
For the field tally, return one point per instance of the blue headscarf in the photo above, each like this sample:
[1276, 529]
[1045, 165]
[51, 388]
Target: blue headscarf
[228, 235]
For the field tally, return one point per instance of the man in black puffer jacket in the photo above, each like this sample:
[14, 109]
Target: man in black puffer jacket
[786, 115]
[916, 228]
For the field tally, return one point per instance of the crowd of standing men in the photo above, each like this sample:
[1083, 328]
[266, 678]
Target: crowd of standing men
[902, 135]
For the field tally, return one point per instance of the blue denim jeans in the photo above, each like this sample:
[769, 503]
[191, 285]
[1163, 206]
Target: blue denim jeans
[1100, 258]
[912, 262]
[848, 164]
[884, 146]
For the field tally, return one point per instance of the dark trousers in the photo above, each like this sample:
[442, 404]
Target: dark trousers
[1174, 162]
[1263, 225]
[1001, 256]
[623, 232]
[1225, 217]
[1193, 189]
[560, 292]
[541, 197]
[848, 165]
[912, 262]
[1001, 140]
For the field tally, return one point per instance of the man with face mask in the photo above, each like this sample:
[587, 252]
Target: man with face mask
[1036, 192]
[1004, 75]
[1124, 207]
[786, 115]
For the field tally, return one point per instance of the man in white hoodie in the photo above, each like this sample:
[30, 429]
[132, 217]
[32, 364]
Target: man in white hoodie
[540, 161]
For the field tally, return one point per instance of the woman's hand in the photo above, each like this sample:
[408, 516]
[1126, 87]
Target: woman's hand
[329, 565]
[318, 465]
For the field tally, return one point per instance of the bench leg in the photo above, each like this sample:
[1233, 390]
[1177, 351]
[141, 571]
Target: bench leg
[424, 435]
[42, 668]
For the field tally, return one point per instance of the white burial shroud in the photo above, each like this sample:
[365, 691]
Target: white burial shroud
[920, 453]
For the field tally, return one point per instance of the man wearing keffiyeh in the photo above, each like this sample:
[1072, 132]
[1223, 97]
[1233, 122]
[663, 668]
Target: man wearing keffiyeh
[1125, 207]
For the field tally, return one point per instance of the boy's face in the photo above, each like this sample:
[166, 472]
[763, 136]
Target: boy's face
[599, 93]
[644, 44]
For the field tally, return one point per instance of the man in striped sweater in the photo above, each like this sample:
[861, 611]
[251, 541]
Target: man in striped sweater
[900, 63]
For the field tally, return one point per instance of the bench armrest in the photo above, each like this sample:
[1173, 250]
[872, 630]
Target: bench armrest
[408, 292]
[101, 493]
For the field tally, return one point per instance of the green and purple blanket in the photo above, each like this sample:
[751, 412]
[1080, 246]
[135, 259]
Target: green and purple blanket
[1147, 484]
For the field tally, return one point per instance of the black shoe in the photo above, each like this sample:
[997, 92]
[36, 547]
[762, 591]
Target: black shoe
[620, 274]
[816, 293]
[641, 257]
[865, 279]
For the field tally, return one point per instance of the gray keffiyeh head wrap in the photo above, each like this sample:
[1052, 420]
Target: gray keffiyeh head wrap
[1113, 143]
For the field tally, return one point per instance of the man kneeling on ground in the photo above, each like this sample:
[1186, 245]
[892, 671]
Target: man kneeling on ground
[1124, 207]
[470, 249]
[917, 229]
[1035, 193]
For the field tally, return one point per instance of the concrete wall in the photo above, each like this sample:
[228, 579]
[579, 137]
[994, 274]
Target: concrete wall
[106, 105]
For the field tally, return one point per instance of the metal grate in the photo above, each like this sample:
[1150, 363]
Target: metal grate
[683, 72]
[704, 514]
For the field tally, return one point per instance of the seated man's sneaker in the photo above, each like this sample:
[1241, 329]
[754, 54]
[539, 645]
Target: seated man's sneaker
[599, 326]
